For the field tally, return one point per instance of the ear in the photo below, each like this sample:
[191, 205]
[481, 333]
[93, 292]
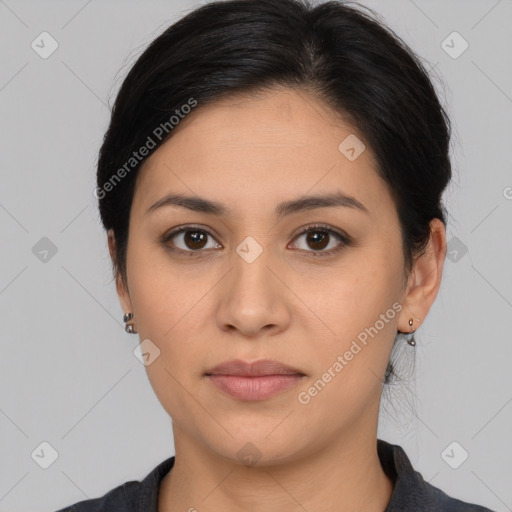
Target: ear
[425, 279]
[121, 287]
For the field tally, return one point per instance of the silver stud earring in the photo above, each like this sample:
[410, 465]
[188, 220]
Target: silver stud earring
[129, 328]
[410, 340]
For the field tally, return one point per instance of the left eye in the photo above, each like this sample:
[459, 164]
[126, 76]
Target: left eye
[319, 237]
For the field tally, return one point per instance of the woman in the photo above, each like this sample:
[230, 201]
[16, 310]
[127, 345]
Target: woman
[271, 186]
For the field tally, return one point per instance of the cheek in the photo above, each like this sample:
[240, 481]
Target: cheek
[173, 311]
[362, 309]
[350, 371]
[159, 292]
[351, 298]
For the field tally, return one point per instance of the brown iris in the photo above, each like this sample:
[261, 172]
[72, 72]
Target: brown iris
[318, 239]
[195, 240]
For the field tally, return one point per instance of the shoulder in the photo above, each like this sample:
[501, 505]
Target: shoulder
[130, 496]
[122, 499]
[411, 491]
[449, 504]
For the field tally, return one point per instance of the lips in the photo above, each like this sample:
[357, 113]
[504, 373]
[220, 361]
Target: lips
[254, 381]
[254, 369]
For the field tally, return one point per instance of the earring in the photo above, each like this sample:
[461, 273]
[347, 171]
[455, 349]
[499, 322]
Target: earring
[411, 341]
[129, 328]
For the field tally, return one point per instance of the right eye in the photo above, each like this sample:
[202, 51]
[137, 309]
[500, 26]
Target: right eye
[191, 238]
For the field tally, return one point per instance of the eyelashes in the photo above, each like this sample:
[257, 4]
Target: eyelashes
[325, 232]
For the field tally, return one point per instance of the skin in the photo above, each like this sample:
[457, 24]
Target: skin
[250, 153]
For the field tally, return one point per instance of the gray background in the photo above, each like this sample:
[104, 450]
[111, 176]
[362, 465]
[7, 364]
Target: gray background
[68, 375]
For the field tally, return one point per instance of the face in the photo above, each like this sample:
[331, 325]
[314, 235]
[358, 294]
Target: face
[319, 289]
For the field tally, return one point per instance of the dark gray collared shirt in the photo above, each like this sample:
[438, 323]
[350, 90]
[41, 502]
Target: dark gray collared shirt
[411, 493]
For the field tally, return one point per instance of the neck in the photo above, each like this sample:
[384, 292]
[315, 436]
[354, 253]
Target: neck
[344, 476]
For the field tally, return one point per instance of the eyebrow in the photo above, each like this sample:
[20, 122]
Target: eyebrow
[304, 203]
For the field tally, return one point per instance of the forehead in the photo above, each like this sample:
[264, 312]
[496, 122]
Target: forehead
[296, 116]
[258, 148]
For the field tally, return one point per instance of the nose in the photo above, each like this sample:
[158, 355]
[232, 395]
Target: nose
[252, 298]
